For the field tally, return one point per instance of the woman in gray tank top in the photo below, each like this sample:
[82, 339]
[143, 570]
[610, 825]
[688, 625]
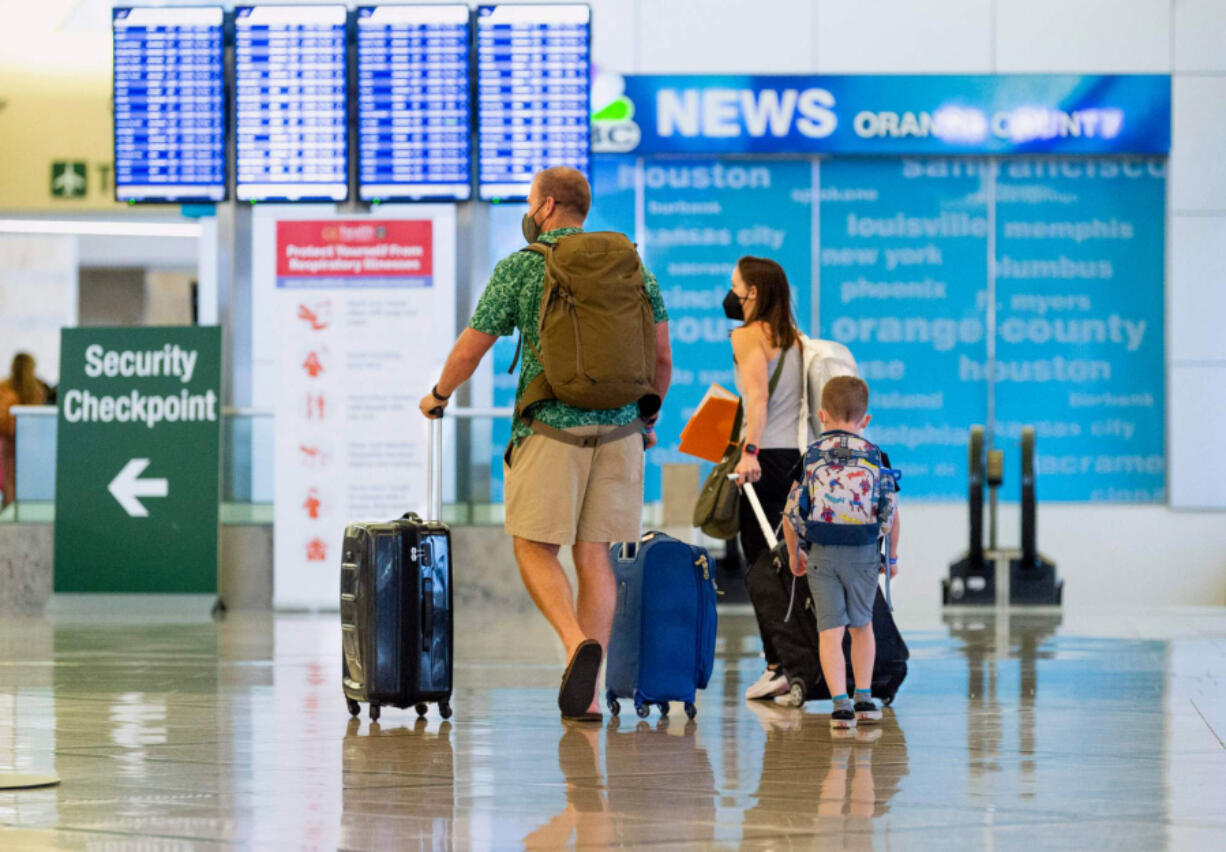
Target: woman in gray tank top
[762, 299]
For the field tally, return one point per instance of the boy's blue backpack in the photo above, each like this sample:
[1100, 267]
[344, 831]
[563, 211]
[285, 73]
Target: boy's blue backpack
[845, 493]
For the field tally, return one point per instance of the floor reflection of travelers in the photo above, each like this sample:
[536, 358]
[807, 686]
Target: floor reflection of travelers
[658, 787]
[740, 637]
[21, 387]
[424, 800]
[662, 775]
[586, 820]
[849, 776]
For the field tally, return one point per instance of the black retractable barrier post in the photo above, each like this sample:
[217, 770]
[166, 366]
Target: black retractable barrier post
[1032, 577]
[996, 478]
[976, 467]
[971, 580]
[1030, 551]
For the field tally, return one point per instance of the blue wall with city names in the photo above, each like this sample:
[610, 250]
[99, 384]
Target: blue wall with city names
[1079, 283]
[899, 256]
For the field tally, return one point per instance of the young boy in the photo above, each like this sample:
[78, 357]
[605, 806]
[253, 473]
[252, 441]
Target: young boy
[843, 499]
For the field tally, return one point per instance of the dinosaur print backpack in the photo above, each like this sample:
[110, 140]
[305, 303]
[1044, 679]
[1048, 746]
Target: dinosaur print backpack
[845, 496]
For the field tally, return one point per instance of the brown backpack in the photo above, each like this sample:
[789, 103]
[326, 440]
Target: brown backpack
[597, 327]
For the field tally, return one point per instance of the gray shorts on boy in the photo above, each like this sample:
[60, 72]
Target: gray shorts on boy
[844, 584]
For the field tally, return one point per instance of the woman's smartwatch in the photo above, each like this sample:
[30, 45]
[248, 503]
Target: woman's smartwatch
[750, 449]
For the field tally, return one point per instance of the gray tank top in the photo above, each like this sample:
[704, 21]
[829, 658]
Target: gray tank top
[783, 409]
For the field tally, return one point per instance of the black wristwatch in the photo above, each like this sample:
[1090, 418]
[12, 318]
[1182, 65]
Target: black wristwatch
[750, 449]
[434, 393]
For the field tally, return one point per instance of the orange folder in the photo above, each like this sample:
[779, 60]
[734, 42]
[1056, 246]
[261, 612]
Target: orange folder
[710, 429]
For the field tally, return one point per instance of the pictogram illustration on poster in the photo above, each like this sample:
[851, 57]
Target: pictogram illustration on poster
[356, 308]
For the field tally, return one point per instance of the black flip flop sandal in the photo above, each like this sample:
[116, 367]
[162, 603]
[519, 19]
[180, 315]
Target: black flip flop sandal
[579, 680]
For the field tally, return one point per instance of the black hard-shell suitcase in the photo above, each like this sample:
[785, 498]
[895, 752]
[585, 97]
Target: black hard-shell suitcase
[396, 607]
[771, 589]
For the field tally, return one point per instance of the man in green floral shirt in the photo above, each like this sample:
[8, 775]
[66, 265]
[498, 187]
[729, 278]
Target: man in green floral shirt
[559, 494]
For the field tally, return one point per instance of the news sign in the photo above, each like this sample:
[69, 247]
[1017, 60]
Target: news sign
[882, 114]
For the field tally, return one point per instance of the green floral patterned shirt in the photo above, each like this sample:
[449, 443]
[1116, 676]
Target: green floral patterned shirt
[512, 300]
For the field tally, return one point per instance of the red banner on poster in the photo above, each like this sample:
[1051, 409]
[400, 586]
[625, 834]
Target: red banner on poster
[355, 249]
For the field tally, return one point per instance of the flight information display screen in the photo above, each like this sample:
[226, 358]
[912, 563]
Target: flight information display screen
[413, 103]
[170, 120]
[290, 89]
[534, 94]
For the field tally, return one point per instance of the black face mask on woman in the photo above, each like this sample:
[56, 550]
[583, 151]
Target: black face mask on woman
[734, 308]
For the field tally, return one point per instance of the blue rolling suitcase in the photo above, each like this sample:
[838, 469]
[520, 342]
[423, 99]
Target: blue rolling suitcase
[663, 644]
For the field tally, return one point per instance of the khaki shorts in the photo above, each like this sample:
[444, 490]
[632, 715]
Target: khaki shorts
[559, 494]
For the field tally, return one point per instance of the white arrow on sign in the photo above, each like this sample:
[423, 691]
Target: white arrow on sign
[128, 485]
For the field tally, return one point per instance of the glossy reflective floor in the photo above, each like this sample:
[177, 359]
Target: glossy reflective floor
[1031, 732]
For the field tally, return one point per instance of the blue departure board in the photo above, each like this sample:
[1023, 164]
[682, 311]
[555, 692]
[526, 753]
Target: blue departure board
[413, 103]
[170, 121]
[534, 94]
[290, 89]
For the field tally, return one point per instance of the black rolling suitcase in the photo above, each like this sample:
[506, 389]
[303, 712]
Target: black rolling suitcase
[396, 613]
[773, 591]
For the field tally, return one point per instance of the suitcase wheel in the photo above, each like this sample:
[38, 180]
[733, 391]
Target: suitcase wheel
[355, 709]
[374, 712]
[615, 707]
[663, 709]
[887, 701]
[422, 710]
[643, 710]
[690, 710]
[444, 710]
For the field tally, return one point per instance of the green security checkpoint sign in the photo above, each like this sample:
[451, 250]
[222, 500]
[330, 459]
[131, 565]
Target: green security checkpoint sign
[136, 489]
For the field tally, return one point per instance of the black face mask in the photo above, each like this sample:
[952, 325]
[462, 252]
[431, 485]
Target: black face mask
[734, 308]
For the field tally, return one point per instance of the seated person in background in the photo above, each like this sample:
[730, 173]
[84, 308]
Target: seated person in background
[22, 387]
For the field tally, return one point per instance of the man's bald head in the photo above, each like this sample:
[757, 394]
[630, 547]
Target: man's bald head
[567, 187]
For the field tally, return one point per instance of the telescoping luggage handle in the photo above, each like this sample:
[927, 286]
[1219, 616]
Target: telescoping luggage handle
[434, 472]
[629, 550]
[772, 538]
